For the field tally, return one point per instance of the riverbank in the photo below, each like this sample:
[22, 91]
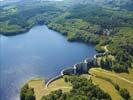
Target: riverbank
[14, 33]
[19, 31]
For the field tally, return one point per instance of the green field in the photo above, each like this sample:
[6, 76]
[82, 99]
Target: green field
[40, 89]
[128, 76]
[107, 87]
[100, 76]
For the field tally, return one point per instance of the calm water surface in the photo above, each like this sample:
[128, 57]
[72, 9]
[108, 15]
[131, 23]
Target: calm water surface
[40, 53]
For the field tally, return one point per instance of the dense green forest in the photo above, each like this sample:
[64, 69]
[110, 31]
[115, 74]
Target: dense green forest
[18, 18]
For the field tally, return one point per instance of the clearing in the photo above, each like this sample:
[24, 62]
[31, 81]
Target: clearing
[119, 79]
[40, 89]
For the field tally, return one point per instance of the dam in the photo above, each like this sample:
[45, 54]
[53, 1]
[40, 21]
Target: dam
[79, 68]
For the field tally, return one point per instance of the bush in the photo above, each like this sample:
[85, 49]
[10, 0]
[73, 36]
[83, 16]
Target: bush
[27, 93]
[117, 87]
[99, 49]
[119, 68]
[66, 79]
[125, 94]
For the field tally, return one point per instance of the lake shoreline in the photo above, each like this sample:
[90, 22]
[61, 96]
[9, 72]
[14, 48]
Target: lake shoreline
[27, 30]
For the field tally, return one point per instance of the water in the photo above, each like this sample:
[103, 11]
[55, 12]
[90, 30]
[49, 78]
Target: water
[40, 53]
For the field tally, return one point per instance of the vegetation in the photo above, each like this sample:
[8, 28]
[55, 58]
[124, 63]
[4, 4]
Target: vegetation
[27, 93]
[71, 87]
[82, 89]
[121, 47]
[30, 15]
[107, 87]
[100, 49]
[125, 94]
[127, 75]
[40, 89]
[114, 79]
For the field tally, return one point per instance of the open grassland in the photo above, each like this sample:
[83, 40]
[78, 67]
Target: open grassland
[122, 81]
[128, 76]
[59, 84]
[107, 87]
[105, 48]
[40, 89]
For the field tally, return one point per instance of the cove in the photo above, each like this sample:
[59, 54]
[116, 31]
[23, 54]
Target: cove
[39, 53]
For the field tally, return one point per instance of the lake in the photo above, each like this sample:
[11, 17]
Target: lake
[39, 53]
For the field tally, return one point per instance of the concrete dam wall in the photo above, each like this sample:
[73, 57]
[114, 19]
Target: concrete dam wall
[80, 68]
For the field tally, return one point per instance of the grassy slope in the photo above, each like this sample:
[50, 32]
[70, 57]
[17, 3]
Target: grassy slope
[107, 87]
[59, 84]
[123, 82]
[128, 76]
[40, 90]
